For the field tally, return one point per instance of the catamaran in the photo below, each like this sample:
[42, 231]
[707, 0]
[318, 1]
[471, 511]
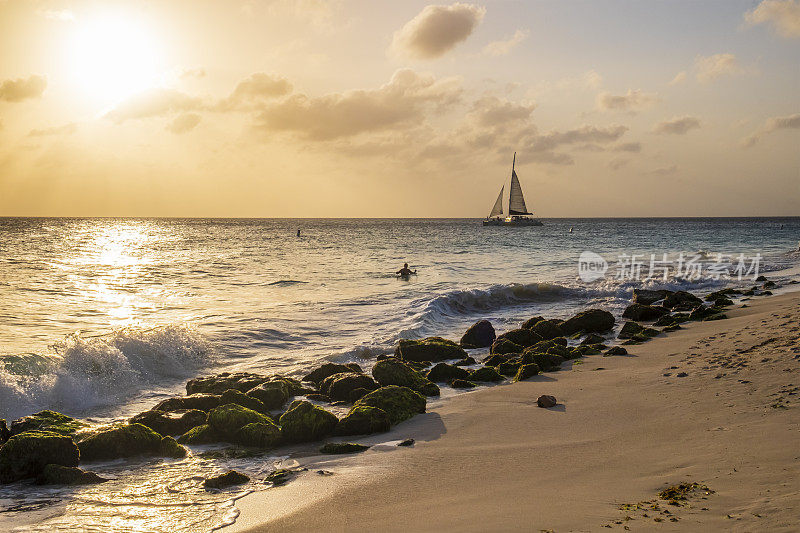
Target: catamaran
[518, 214]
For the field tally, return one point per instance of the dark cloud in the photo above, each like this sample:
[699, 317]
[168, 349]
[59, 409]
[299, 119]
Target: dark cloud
[627, 147]
[677, 125]
[22, 88]
[437, 30]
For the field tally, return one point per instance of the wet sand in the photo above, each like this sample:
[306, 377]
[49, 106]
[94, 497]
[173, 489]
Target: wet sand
[623, 430]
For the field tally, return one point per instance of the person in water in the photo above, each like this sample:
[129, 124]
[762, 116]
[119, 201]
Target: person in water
[405, 271]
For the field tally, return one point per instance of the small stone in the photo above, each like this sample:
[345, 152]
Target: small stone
[407, 442]
[682, 374]
[342, 447]
[546, 401]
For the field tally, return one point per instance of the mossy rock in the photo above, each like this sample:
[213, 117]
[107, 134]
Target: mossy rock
[462, 384]
[25, 455]
[171, 422]
[616, 350]
[672, 327]
[632, 330]
[485, 374]
[169, 447]
[119, 441]
[545, 361]
[443, 373]
[335, 448]
[199, 401]
[328, 369]
[4, 432]
[586, 349]
[498, 358]
[200, 435]
[228, 479]
[649, 297]
[504, 346]
[295, 386]
[509, 368]
[226, 420]
[399, 403]
[304, 422]
[265, 435]
[432, 349]
[526, 371]
[240, 398]
[522, 337]
[357, 394]
[273, 394]
[593, 338]
[547, 329]
[528, 324]
[479, 335]
[642, 312]
[363, 420]
[241, 381]
[467, 361]
[67, 475]
[48, 421]
[340, 386]
[589, 321]
[395, 372]
[682, 300]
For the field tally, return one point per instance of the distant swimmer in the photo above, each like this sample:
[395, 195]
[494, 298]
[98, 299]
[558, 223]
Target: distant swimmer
[298, 233]
[405, 271]
[570, 229]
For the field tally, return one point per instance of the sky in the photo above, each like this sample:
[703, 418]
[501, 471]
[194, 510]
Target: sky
[366, 108]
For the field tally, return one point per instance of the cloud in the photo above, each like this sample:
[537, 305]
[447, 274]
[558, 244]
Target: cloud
[504, 47]
[256, 88]
[710, 68]
[770, 125]
[22, 88]
[677, 125]
[783, 16]
[437, 30]
[404, 101]
[492, 111]
[196, 73]
[634, 100]
[153, 103]
[617, 163]
[628, 147]
[679, 78]
[66, 129]
[664, 171]
[57, 14]
[183, 123]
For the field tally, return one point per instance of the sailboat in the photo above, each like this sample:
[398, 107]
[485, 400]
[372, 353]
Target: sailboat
[518, 214]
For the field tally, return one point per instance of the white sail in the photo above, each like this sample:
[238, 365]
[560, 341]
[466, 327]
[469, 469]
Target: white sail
[516, 202]
[498, 205]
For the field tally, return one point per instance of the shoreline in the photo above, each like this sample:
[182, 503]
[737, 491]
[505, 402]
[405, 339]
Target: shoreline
[492, 459]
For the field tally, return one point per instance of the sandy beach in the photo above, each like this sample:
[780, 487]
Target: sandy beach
[625, 428]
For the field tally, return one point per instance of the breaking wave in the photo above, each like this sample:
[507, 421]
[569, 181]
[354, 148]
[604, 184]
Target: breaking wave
[89, 372]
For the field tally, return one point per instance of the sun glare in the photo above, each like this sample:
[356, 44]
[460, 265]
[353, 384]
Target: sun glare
[112, 56]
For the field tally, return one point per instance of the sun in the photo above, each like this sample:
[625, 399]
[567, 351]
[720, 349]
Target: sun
[112, 55]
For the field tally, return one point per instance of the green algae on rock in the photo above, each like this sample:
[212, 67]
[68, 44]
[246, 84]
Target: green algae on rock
[304, 422]
[485, 373]
[273, 394]
[395, 372]
[240, 398]
[340, 386]
[53, 474]
[171, 422]
[334, 448]
[328, 369]
[264, 435]
[229, 478]
[363, 420]
[200, 435]
[433, 349]
[200, 401]
[226, 420]
[462, 384]
[49, 421]
[526, 371]
[25, 455]
[399, 403]
[119, 441]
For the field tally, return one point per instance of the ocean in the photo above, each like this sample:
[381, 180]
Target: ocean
[101, 318]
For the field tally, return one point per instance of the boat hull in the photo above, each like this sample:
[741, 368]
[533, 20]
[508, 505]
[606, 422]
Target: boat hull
[512, 222]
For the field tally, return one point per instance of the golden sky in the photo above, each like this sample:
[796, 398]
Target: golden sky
[345, 108]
